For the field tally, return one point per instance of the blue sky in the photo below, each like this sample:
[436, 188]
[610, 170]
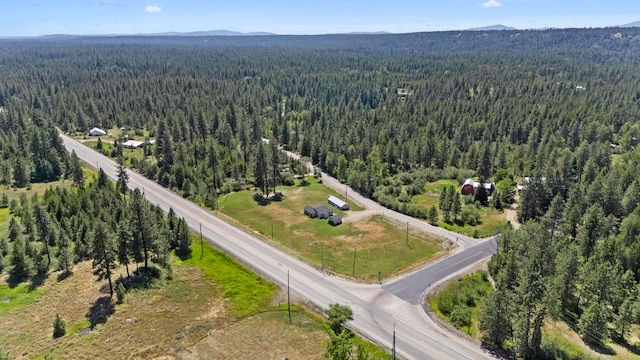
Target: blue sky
[40, 17]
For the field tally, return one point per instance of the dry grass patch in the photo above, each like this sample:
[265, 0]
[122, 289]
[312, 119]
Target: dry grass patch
[150, 323]
[268, 334]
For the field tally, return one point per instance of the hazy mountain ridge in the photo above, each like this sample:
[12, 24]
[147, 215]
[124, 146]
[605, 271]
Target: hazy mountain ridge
[633, 24]
[492, 27]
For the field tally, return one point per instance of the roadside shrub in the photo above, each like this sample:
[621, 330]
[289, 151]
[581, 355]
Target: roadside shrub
[287, 179]
[470, 215]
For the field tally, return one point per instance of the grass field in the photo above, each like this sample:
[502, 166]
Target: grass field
[246, 292]
[436, 187]
[17, 297]
[211, 304]
[379, 246]
[491, 223]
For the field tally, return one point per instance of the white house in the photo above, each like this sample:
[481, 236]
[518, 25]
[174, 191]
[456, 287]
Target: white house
[132, 144]
[97, 132]
[338, 203]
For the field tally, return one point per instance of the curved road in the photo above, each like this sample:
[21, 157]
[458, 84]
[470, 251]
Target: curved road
[378, 310]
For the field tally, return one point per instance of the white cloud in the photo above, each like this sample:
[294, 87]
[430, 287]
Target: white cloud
[157, 9]
[490, 4]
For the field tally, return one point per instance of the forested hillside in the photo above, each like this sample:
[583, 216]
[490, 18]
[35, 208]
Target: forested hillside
[30, 149]
[482, 101]
[385, 113]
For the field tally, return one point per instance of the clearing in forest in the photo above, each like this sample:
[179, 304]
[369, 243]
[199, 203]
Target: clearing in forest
[379, 246]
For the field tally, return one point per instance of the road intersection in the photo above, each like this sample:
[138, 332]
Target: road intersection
[378, 309]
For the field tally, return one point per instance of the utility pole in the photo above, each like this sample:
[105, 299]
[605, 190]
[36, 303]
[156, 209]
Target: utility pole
[288, 298]
[322, 251]
[346, 192]
[201, 243]
[407, 238]
[393, 348]
[380, 277]
[354, 263]
[271, 229]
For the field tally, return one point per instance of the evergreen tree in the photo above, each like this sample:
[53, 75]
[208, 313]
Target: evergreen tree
[456, 202]
[123, 177]
[64, 252]
[120, 292]
[183, 239]
[495, 318]
[124, 244]
[103, 253]
[213, 164]
[21, 264]
[261, 170]
[103, 180]
[14, 230]
[76, 170]
[274, 165]
[43, 225]
[21, 173]
[593, 324]
[481, 195]
[59, 329]
[27, 217]
[142, 229]
[433, 215]
[445, 204]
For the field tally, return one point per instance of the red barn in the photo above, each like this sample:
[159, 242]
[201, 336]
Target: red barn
[468, 187]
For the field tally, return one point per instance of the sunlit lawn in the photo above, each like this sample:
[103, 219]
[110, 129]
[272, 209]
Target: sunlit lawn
[379, 246]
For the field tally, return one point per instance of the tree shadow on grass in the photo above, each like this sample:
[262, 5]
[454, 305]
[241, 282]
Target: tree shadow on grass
[632, 348]
[141, 278]
[38, 279]
[100, 311]
[15, 280]
[63, 275]
[184, 255]
[264, 201]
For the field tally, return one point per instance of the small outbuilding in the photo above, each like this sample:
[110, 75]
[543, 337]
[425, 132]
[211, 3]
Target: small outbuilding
[323, 212]
[338, 203]
[335, 220]
[132, 144]
[310, 211]
[97, 132]
[318, 211]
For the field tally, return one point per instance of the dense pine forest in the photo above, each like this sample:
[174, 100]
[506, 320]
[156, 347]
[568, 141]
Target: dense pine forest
[385, 113]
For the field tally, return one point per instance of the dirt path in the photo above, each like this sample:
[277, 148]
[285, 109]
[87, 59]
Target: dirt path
[512, 215]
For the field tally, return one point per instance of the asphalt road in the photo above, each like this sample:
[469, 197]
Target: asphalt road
[378, 310]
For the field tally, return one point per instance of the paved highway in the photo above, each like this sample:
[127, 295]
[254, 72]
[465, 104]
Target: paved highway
[378, 310]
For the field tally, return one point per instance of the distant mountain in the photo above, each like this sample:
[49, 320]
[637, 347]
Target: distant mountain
[368, 33]
[633, 24]
[492, 27]
[209, 33]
